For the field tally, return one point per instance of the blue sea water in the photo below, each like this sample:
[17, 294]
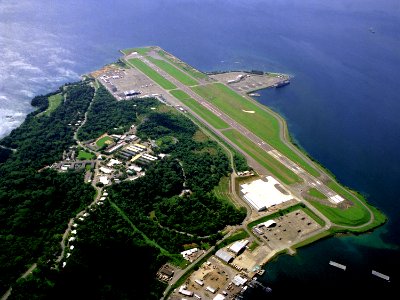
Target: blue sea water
[342, 106]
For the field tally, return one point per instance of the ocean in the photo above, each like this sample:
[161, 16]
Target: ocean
[342, 105]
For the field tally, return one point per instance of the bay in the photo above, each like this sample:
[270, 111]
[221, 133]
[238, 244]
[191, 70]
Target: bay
[342, 105]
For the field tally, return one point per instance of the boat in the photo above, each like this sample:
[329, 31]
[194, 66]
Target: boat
[254, 94]
[282, 83]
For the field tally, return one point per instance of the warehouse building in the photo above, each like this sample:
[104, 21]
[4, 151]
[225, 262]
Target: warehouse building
[224, 256]
[264, 193]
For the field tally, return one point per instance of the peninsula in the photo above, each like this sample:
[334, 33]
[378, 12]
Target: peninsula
[151, 166]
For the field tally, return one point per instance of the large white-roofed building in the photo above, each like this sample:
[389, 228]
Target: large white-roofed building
[264, 193]
[236, 247]
[224, 256]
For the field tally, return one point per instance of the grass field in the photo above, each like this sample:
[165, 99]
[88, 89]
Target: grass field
[83, 155]
[181, 65]
[141, 51]
[353, 216]
[261, 123]
[315, 193]
[174, 72]
[199, 109]
[262, 157]
[54, 102]
[221, 191]
[101, 142]
[236, 236]
[152, 74]
[356, 215]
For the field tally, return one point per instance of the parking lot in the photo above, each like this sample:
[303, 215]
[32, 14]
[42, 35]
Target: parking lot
[248, 82]
[119, 80]
[288, 229]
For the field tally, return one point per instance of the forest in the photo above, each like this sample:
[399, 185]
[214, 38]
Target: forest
[35, 206]
[144, 222]
[109, 115]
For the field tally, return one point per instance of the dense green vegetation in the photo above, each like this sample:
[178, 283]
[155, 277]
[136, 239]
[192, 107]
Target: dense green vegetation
[109, 115]
[36, 206]
[107, 253]
[240, 162]
[166, 84]
[261, 123]
[196, 107]
[41, 141]
[174, 72]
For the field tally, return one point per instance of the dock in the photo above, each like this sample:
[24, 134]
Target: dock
[380, 275]
[337, 265]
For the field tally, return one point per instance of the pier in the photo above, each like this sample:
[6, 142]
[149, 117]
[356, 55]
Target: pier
[337, 265]
[254, 283]
[380, 275]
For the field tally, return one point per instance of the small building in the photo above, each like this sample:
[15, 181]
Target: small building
[238, 246]
[199, 282]
[211, 289]
[219, 297]
[239, 280]
[185, 292]
[105, 170]
[113, 162]
[224, 256]
[167, 271]
[104, 180]
[268, 224]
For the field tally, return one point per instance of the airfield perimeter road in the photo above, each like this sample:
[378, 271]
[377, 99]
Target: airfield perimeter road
[309, 181]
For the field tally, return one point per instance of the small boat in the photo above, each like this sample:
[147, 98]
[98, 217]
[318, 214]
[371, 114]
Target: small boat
[254, 95]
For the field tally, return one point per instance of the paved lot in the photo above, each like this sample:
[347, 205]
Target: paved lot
[289, 228]
[248, 82]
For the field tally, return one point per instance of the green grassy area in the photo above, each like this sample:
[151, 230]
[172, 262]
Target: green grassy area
[181, 65]
[353, 216]
[141, 51]
[356, 215]
[101, 142]
[199, 109]
[261, 122]
[152, 74]
[221, 191]
[314, 216]
[262, 157]
[54, 102]
[174, 72]
[315, 193]
[83, 155]
[236, 236]
[253, 245]
[312, 239]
